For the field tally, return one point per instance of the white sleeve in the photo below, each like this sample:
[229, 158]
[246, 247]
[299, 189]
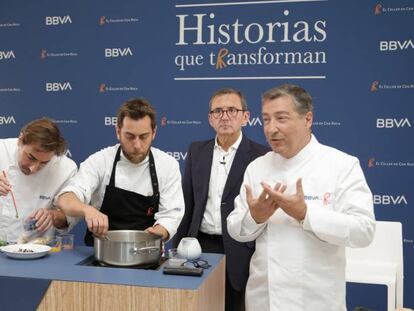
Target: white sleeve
[72, 221]
[171, 206]
[89, 177]
[351, 222]
[240, 224]
[66, 169]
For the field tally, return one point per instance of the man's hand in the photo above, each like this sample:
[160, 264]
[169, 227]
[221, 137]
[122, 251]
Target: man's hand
[96, 221]
[264, 206]
[158, 230]
[5, 186]
[44, 219]
[294, 205]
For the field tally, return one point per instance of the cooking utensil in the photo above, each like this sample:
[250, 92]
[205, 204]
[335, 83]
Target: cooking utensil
[12, 195]
[127, 248]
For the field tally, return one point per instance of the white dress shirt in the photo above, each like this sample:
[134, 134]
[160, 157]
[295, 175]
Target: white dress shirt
[298, 266]
[220, 168]
[94, 174]
[31, 192]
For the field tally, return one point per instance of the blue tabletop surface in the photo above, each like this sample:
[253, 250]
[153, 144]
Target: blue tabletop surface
[63, 266]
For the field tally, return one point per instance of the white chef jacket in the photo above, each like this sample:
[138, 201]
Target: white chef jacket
[220, 168]
[298, 266]
[30, 191]
[94, 174]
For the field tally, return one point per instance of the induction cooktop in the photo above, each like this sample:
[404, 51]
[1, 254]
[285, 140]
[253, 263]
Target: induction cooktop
[91, 261]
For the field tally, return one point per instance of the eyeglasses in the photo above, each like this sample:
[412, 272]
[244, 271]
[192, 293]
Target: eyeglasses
[219, 112]
[196, 264]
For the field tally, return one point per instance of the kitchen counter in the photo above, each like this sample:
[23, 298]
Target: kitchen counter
[90, 285]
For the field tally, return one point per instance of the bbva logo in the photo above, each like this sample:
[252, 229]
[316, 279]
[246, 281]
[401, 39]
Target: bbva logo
[7, 120]
[111, 121]
[118, 52]
[178, 155]
[396, 45]
[393, 123]
[386, 199]
[7, 54]
[254, 121]
[58, 20]
[58, 86]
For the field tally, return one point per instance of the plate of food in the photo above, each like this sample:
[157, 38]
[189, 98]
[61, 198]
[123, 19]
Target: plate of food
[25, 251]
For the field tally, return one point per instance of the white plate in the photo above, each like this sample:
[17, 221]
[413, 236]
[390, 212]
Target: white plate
[13, 251]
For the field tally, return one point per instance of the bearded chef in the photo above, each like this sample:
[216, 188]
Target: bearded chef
[303, 203]
[128, 186]
[33, 169]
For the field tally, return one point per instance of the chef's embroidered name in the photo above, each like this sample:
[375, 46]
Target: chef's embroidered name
[44, 197]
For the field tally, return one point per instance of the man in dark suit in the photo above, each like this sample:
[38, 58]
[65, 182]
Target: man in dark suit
[213, 176]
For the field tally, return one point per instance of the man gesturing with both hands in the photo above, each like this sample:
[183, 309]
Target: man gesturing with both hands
[302, 203]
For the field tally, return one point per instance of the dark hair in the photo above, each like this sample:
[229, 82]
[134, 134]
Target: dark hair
[300, 97]
[136, 109]
[228, 90]
[46, 134]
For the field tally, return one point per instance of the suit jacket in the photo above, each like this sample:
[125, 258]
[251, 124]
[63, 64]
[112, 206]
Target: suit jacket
[195, 187]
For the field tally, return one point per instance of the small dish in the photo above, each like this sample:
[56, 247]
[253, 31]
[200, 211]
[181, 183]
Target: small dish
[25, 251]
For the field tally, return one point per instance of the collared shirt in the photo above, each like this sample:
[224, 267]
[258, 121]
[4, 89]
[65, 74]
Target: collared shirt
[94, 174]
[220, 168]
[294, 263]
[31, 192]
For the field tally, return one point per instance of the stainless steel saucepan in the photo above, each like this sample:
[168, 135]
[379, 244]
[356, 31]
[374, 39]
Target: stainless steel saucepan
[128, 248]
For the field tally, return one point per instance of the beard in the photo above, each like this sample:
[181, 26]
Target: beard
[135, 157]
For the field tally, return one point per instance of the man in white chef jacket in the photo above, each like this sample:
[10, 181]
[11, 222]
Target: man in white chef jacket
[130, 185]
[33, 169]
[303, 203]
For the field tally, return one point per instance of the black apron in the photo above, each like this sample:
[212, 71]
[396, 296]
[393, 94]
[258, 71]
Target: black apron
[127, 210]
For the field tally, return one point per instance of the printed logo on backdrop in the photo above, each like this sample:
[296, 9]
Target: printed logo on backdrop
[165, 122]
[58, 86]
[57, 20]
[9, 24]
[10, 89]
[66, 121]
[68, 153]
[110, 121]
[392, 123]
[6, 120]
[377, 86]
[390, 200]
[380, 9]
[224, 45]
[178, 155]
[374, 163]
[255, 121]
[108, 88]
[326, 123]
[44, 54]
[396, 45]
[103, 20]
[5, 55]
[118, 52]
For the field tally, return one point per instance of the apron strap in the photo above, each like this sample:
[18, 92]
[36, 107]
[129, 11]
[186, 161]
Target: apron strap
[154, 181]
[117, 158]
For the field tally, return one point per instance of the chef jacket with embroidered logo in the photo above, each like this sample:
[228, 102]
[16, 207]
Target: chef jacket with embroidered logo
[30, 191]
[301, 266]
[94, 174]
